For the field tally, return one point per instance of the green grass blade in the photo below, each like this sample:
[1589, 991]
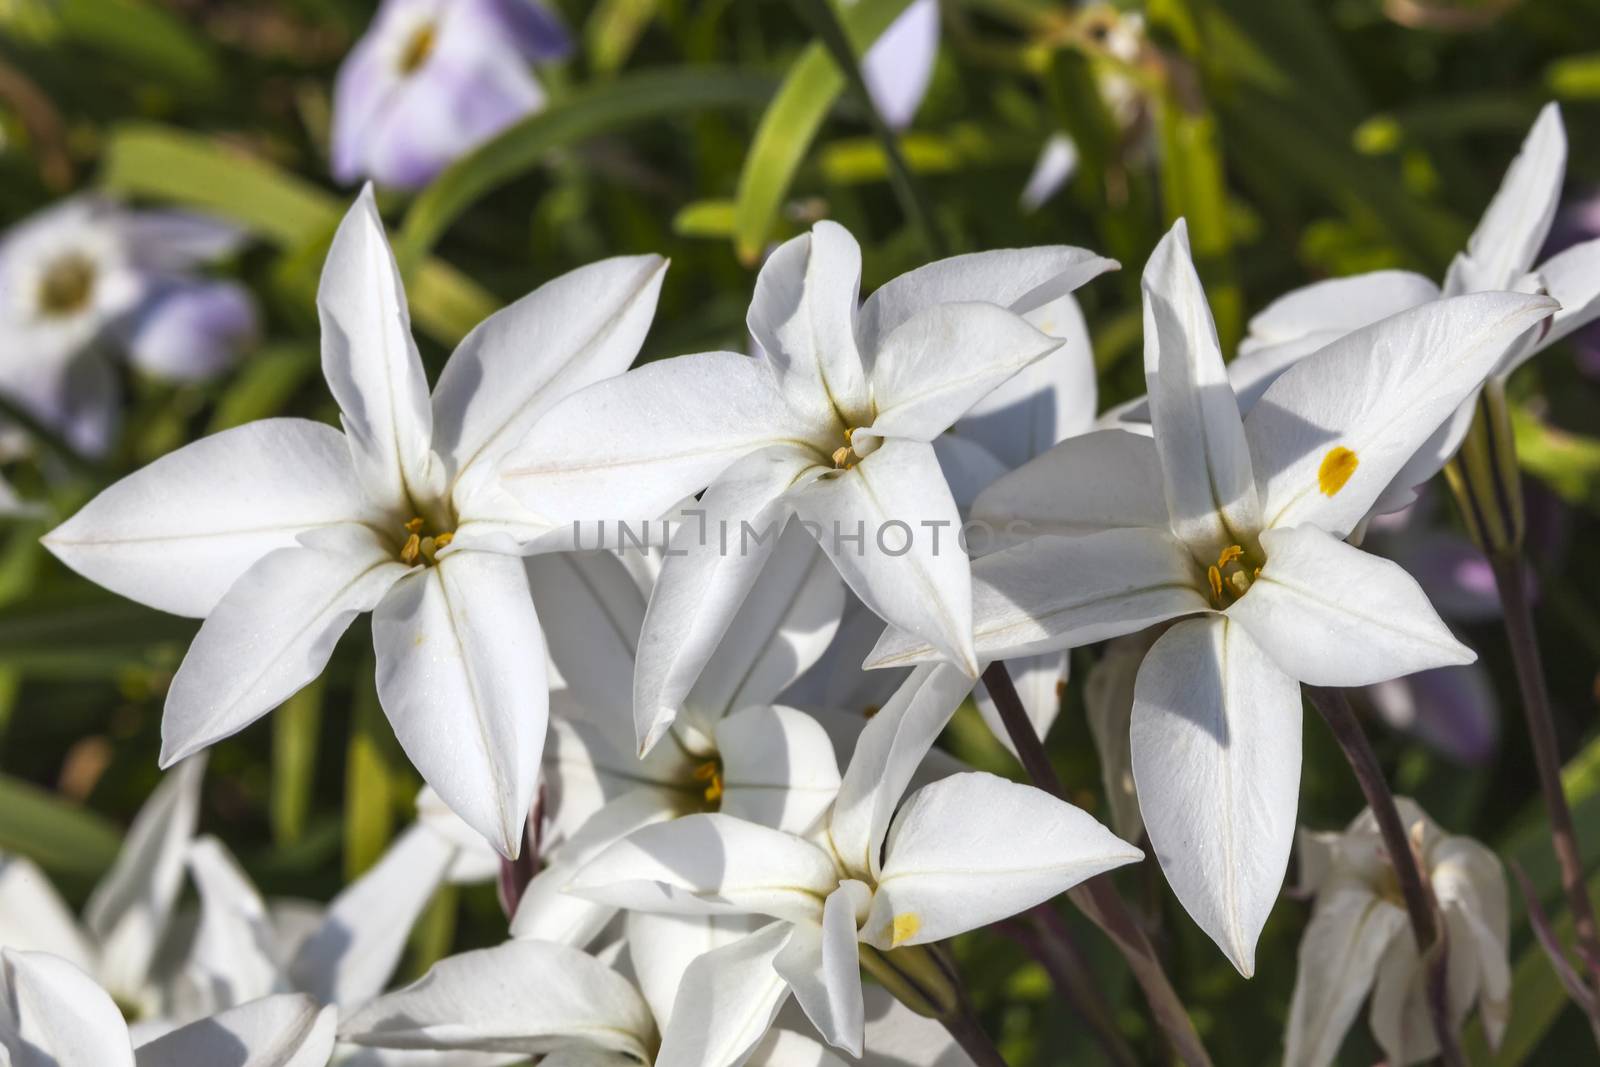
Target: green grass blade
[61, 838]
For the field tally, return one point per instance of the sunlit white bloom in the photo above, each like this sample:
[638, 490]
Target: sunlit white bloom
[433, 79]
[52, 1014]
[125, 924]
[280, 532]
[961, 853]
[87, 278]
[1360, 941]
[1239, 522]
[833, 422]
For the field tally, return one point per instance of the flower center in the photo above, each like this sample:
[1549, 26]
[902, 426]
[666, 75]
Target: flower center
[421, 545]
[852, 451]
[66, 286]
[1230, 577]
[709, 775]
[419, 46]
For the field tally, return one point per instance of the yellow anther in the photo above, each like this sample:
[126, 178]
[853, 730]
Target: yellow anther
[414, 526]
[1238, 583]
[1337, 467]
[1214, 576]
[841, 456]
[443, 539]
[412, 549]
[906, 925]
[710, 772]
[1228, 555]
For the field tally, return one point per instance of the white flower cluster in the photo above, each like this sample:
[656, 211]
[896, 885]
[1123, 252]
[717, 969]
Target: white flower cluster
[702, 807]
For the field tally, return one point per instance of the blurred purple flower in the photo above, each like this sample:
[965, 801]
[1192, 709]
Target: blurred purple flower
[1452, 709]
[86, 278]
[432, 79]
[899, 65]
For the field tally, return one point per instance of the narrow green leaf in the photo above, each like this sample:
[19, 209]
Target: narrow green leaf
[1568, 463]
[434, 933]
[369, 781]
[1194, 187]
[142, 37]
[791, 123]
[705, 218]
[61, 838]
[264, 385]
[613, 29]
[295, 727]
[603, 108]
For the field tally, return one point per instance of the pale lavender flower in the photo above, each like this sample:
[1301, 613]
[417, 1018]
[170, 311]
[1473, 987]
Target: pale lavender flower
[87, 278]
[899, 65]
[432, 79]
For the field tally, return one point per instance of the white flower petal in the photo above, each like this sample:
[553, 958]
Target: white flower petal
[890, 525]
[1045, 402]
[888, 753]
[1020, 279]
[1104, 480]
[778, 768]
[128, 911]
[370, 360]
[58, 1017]
[1040, 681]
[803, 317]
[232, 959]
[1216, 755]
[34, 918]
[1573, 278]
[290, 1030]
[572, 331]
[1331, 432]
[1330, 614]
[1339, 955]
[968, 467]
[351, 955]
[726, 1002]
[662, 948]
[272, 634]
[1205, 461]
[821, 963]
[973, 849]
[1052, 593]
[629, 448]
[523, 996]
[711, 864]
[178, 533]
[1517, 221]
[899, 64]
[462, 680]
[1108, 707]
[1057, 163]
[899, 1037]
[1307, 318]
[937, 364]
[714, 560]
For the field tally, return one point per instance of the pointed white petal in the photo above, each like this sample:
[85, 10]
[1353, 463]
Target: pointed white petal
[1205, 462]
[1339, 955]
[232, 959]
[592, 611]
[1517, 221]
[936, 365]
[1057, 163]
[973, 849]
[887, 755]
[523, 996]
[370, 360]
[1108, 706]
[178, 533]
[726, 1002]
[778, 768]
[1020, 279]
[34, 918]
[128, 911]
[821, 963]
[889, 524]
[1573, 278]
[1401, 1019]
[631, 447]
[1216, 755]
[572, 331]
[1331, 432]
[715, 558]
[1052, 593]
[803, 317]
[462, 680]
[1330, 614]
[661, 948]
[58, 1016]
[1040, 681]
[290, 1030]
[711, 864]
[899, 1037]
[353, 952]
[791, 1048]
[272, 634]
[1307, 318]
[899, 64]
[786, 622]
[1104, 480]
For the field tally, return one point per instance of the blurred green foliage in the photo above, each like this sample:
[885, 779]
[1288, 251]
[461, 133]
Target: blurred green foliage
[1302, 139]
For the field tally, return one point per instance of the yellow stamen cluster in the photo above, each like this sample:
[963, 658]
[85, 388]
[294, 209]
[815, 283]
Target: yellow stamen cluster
[710, 772]
[66, 286]
[418, 546]
[845, 457]
[1228, 577]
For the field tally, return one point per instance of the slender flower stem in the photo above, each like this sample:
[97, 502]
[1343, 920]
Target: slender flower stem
[1414, 889]
[974, 1040]
[1070, 972]
[1098, 897]
[1518, 618]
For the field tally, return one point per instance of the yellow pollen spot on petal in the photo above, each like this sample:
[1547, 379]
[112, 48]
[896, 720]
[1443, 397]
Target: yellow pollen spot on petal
[1337, 467]
[906, 925]
[1214, 576]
